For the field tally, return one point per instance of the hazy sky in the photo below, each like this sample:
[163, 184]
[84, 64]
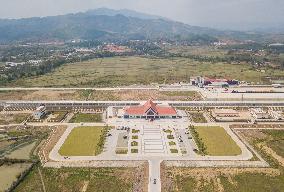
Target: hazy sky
[234, 14]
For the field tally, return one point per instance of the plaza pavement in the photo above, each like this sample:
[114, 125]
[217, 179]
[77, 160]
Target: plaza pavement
[109, 159]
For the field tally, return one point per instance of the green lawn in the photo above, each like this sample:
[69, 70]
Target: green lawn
[86, 117]
[83, 141]
[217, 142]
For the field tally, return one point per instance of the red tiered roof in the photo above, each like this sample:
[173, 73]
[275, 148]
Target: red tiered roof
[142, 110]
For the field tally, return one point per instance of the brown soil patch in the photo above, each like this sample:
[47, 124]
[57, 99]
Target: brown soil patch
[52, 140]
[51, 95]
[251, 135]
[136, 95]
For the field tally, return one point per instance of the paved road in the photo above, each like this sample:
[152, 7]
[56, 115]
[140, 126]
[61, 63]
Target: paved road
[154, 175]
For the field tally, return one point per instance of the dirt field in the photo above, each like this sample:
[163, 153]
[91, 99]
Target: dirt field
[46, 148]
[123, 95]
[39, 95]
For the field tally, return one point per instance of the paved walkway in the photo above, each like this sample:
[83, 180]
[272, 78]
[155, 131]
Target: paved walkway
[154, 175]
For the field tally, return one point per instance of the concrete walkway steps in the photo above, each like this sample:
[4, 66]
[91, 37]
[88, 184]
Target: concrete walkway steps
[152, 141]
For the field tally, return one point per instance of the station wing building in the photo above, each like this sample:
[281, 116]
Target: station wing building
[150, 110]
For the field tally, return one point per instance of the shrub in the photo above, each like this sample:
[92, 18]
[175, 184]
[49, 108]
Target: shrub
[201, 146]
[135, 131]
[134, 150]
[121, 151]
[172, 143]
[174, 150]
[134, 143]
[170, 136]
[134, 136]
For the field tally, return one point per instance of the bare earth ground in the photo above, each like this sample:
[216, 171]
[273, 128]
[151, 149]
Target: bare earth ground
[144, 95]
[99, 95]
[48, 145]
[39, 95]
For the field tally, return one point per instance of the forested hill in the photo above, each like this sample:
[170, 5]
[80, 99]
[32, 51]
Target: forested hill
[104, 24]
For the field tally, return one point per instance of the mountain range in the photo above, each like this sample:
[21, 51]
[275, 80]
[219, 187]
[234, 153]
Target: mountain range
[107, 24]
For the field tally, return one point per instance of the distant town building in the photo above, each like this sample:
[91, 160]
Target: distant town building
[35, 62]
[39, 112]
[115, 48]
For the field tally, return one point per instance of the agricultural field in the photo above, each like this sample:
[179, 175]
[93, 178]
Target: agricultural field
[22, 152]
[216, 141]
[9, 174]
[86, 179]
[84, 141]
[86, 117]
[13, 118]
[19, 141]
[141, 70]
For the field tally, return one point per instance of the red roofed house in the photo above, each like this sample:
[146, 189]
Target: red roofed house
[150, 110]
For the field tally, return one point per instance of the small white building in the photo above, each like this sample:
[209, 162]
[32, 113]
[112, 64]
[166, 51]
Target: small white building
[258, 113]
[39, 112]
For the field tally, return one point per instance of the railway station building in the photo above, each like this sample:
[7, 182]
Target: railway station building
[150, 110]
